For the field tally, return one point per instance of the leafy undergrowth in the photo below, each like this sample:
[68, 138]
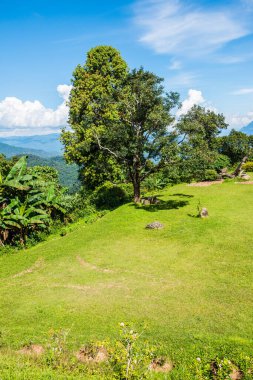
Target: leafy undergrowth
[190, 283]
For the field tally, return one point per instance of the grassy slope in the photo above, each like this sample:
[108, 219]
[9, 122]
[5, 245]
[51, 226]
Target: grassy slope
[191, 282]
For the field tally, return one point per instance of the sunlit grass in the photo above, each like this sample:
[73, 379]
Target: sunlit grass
[191, 282]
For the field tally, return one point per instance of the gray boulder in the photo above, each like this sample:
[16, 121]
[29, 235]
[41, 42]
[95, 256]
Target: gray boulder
[203, 213]
[155, 226]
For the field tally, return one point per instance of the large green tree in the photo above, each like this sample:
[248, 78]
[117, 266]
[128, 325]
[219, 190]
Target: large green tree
[142, 141]
[118, 115]
[93, 111]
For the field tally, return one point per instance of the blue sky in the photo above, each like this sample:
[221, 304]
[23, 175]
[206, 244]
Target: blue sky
[203, 49]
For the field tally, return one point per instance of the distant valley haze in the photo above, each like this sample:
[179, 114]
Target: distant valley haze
[40, 145]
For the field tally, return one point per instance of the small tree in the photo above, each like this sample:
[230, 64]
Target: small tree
[198, 130]
[236, 146]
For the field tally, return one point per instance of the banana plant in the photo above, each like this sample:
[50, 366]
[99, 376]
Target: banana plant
[29, 218]
[8, 221]
[26, 203]
[49, 199]
[20, 218]
[16, 178]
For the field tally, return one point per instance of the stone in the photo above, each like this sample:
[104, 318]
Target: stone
[155, 226]
[203, 212]
[246, 177]
[145, 202]
[149, 201]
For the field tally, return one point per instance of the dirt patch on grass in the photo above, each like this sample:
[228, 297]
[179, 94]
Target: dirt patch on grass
[245, 183]
[87, 265]
[37, 265]
[161, 365]
[32, 350]
[97, 287]
[92, 354]
[77, 287]
[236, 374]
[205, 183]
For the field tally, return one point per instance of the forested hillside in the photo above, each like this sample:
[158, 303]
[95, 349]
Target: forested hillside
[10, 151]
[68, 173]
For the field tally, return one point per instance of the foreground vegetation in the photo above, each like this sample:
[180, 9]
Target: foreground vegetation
[190, 284]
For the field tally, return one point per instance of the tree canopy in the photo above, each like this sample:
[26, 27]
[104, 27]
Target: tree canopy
[236, 145]
[118, 115]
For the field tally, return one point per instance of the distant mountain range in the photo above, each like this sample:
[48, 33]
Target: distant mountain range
[43, 146]
[248, 129]
[47, 146]
[9, 151]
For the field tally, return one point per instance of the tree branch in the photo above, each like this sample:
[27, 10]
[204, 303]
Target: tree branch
[104, 147]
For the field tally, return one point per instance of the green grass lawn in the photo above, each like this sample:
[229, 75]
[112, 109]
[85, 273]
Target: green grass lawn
[190, 283]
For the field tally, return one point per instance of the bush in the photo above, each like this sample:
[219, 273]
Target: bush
[248, 166]
[128, 189]
[110, 196]
[211, 175]
[222, 161]
[77, 205]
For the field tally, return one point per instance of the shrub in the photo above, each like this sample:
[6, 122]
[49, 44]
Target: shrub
[110, 196]
[211, 175]
[248, 166]
[128, 189]
[222, 161]
[77, 205]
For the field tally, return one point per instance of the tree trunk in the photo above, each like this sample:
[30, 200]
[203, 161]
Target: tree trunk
[137, 191]
[239, 167]
[134, 173]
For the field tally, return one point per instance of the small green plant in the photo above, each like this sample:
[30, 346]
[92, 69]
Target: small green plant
[130, 358]
[57, 355]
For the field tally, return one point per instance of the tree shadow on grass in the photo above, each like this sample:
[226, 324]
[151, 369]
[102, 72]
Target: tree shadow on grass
[162, 205]
[182, 195]
[196, 216]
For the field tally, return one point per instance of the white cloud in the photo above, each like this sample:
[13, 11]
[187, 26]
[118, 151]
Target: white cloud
[64, 91]
[195, 97]
[243, 91]
[19, 117]
[173, 27]
[239, 121]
